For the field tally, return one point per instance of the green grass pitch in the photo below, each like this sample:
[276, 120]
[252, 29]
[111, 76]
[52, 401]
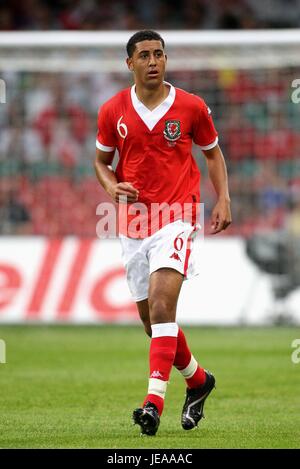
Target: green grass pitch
[76, 387]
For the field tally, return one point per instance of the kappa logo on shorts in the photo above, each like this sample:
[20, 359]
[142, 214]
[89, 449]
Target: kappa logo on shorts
[172, 130]
[175, 256]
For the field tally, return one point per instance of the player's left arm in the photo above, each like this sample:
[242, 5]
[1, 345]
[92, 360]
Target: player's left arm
[221, 214]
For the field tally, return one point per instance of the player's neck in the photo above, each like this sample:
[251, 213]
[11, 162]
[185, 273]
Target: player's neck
[151, 98]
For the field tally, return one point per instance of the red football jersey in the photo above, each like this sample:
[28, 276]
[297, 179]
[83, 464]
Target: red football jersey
[155, 150]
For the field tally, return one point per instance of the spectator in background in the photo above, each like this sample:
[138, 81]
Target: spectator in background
[164, 14]
[14, 217]
[6, 19]
[58, 111]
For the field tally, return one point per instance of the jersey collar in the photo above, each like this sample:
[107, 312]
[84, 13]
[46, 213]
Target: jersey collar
[151, 118]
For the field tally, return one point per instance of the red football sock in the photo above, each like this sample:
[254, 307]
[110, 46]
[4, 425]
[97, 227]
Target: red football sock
[162, 353]
[185, 362]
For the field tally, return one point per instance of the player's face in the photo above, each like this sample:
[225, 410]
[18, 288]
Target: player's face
[148, 63]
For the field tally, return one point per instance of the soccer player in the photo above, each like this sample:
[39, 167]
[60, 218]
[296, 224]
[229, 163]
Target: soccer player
[153, 125]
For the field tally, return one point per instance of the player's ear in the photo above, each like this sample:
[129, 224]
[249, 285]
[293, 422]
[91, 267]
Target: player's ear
[129, 63]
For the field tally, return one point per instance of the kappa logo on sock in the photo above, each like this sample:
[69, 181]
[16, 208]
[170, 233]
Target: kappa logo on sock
[156, 374]
[175, 256]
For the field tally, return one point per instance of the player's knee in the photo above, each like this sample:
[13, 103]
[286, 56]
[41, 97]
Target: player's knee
[160, 311]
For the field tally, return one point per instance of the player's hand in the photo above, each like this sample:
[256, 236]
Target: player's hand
[124, 192]
[221, 216]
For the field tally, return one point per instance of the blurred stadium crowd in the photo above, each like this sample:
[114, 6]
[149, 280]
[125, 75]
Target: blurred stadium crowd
[48, 125]
[47, 146]
[157, 14]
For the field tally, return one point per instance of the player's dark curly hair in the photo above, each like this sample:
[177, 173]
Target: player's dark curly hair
[145, 35]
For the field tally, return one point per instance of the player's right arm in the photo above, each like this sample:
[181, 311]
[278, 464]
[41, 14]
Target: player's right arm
[107, 178]
[106, 144]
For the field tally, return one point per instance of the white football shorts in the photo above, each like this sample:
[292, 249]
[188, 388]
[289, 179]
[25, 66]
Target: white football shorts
[173, 246]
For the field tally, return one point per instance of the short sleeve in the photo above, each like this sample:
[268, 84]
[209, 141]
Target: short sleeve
[204, 132]
[106, 140]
